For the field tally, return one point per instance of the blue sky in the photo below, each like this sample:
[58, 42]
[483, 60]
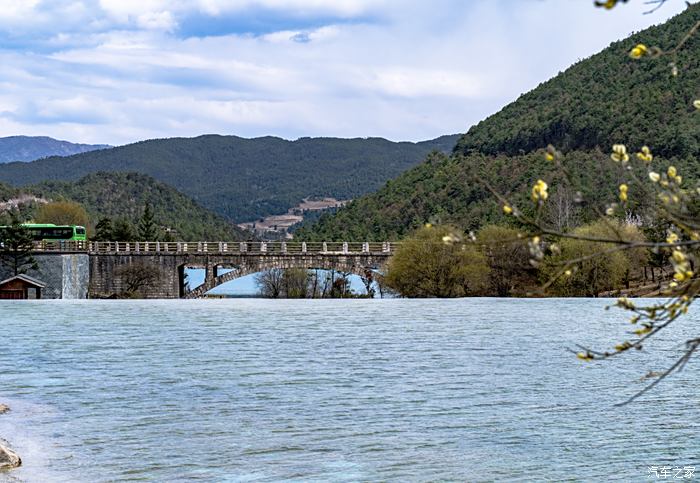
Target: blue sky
[118, 71]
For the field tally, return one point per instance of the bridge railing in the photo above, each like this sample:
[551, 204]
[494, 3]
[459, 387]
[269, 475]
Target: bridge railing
[67, 246]
[223, 248]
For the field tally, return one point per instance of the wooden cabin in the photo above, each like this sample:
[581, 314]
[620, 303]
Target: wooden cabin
[21, 287]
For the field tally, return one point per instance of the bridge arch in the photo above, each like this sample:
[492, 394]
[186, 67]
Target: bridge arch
[255, 265]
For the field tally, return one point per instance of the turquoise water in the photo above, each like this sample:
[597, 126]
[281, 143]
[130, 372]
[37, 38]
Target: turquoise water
[336, 390]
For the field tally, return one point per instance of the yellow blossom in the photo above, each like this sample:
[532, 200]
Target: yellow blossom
[507, 209]
[654, 177]
[539, 191]
[428, 225]
[672, 238]
[678, 256]
[623, 192]
[645, 155]
[672, 172]
[567, 273]
[585, 356]
[638, 51]
[536, 240]
[696, 103]
[450, 238]
[607, 4]
[643, 331]
[620, 153]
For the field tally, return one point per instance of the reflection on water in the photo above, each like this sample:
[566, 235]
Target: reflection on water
[335, 390]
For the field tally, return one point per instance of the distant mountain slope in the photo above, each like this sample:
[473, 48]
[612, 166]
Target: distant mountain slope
[125, 195]
[245, 179]
[606, 99]
[29, 148]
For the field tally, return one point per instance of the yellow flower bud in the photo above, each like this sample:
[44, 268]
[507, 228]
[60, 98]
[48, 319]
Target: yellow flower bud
[507, 209]
[697, 104]
[623, 192]
[638, 51]
[678, 256]
[619, 153]
[645, 155]
[672, 172]
[654, 177]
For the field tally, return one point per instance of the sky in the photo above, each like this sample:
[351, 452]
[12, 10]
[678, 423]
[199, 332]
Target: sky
[120, 71]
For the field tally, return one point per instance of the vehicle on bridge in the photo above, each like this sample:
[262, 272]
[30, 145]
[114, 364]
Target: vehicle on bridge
[51, 232]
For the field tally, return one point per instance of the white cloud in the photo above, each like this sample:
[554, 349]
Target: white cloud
[116, 71]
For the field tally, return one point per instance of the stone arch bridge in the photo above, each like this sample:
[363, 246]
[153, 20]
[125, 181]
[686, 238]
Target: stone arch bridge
[157, 269]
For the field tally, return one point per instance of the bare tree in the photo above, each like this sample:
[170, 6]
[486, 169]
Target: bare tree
[137, 277]
[270, 282]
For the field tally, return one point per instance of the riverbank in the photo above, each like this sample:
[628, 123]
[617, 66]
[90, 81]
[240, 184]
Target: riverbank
[8, 458]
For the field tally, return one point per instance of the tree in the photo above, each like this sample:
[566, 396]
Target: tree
[123, 230]
[432, 263]
[270, 282]
[62, 213]
[340, 285]
[104, 231]
[147, 228]
[596, 271]
[16, 247]
[295, 283]
[508, 260]
[137, 277]
[368, 281]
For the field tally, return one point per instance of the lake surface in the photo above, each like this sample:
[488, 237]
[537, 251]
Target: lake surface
[351, 390]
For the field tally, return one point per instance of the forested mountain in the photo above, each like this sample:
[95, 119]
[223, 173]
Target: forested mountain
[245, 179]
[29, 148]
[124, 195]
[606, 99]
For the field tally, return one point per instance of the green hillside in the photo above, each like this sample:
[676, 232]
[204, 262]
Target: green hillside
[245, 179]
[606, 99]
[124, 195]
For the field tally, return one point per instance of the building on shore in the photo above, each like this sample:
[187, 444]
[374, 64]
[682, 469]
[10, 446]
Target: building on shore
[21, 287]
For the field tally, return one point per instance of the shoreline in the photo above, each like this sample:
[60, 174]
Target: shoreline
[9, 459]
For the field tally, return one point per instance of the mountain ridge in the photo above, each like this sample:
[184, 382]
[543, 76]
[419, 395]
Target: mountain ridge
[30, 148]
[245, 179]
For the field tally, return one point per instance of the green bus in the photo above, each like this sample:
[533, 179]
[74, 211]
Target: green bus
[51, 232]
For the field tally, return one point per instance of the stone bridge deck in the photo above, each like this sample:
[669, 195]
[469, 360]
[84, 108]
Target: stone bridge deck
[117, 267]
[221, 248]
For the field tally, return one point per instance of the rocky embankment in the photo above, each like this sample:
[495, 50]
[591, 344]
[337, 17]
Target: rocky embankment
[8, 458]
